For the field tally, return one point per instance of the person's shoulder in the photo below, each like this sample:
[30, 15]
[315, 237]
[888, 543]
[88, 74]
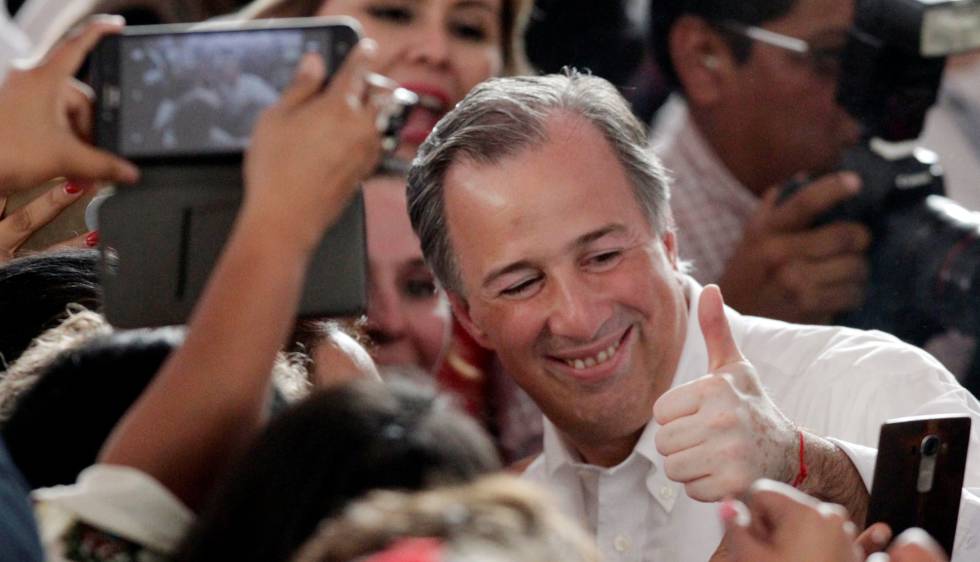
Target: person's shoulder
[837, 349]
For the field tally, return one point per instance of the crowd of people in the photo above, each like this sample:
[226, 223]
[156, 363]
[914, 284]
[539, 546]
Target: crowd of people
[586, 338]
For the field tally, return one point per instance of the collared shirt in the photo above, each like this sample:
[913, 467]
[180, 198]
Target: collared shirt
[710, 206]
[836, 382]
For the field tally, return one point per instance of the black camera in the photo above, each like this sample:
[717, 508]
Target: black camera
[925, 253]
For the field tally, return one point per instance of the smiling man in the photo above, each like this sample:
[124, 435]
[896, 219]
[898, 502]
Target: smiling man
[548, 224]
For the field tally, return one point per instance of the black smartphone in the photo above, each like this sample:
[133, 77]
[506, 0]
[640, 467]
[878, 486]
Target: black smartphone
[160, 241]
[918, 479]
[196, 90]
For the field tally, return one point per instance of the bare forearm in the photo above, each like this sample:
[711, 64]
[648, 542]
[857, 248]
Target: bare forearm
[832, 477]
[209, 397]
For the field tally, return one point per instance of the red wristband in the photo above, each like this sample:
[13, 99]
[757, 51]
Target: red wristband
[804, 471]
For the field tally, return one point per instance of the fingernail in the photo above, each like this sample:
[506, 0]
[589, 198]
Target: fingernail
[915, 536]
[734, 512]
[369, 46]
[112, 19]
[881, 534]
[851, 181]
[309, 64]
[130, 173]
[92, 239]
[73, 188]
[727, 511]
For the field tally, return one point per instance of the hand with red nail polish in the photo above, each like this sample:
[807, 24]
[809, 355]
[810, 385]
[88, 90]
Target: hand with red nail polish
[47, 118]
[18, 226]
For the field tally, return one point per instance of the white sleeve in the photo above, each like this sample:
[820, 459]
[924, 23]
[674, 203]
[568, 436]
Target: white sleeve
[863, 458]
[119, 500]
[966, 546]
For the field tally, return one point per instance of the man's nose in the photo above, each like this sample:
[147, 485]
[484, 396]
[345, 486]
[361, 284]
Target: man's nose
[577, 311]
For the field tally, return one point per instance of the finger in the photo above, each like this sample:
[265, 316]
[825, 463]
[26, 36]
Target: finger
[680, 434]
[821, 242]
[740, 540]
[18, 227]
[691, 465]
[915, 545]
[846, 269]
[86, 162]
[67, 57]
[718, 339]
[349, 80]
[78, 98]
[310, 74]
[678, 402]
[874, 539]
[771, 501]
[84, 240]
[803, 207]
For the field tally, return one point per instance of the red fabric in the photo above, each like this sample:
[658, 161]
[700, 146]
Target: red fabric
[804, 470]
[463, 372]
[410, 550]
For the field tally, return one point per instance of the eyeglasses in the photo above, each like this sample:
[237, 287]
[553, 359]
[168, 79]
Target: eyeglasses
[824, 60]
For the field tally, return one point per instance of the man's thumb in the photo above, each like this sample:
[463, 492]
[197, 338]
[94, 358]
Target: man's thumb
[717, 334]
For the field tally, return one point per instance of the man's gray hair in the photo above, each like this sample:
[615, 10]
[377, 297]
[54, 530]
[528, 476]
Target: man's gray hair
[504, 116]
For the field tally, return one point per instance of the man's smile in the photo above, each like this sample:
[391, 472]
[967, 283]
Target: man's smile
[597, 362]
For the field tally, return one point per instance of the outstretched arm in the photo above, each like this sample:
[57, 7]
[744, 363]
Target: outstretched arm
[308, 153]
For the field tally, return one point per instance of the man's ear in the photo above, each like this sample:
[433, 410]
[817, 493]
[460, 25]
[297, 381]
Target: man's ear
[669, 240]
[701, 58]
[461, 310]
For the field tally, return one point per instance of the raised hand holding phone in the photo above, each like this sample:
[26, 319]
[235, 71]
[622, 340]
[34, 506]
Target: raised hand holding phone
[209, 398]
[47, 117]
[721, 432]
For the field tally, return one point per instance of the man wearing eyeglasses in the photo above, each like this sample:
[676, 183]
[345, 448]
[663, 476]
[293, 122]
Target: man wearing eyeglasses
[757, 82]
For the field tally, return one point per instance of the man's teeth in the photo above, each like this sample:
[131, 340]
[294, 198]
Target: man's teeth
[599, 358]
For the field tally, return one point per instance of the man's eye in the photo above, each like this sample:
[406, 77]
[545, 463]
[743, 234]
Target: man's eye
[604, 260]
[520, 289]
[395, 14]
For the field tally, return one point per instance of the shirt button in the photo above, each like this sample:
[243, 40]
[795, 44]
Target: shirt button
[666, 492]
[621, 543]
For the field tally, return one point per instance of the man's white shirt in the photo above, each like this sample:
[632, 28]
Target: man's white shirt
[836, 382]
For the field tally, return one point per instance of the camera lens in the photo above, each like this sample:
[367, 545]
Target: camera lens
[930, 445]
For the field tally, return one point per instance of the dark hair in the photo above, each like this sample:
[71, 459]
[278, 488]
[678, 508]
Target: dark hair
[664, 13]
[57, 427]
[35, 292]
[332, 448]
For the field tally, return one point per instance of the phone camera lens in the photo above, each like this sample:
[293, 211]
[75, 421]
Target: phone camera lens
[930, 445]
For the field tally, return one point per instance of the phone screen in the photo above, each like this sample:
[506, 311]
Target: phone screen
[201, 93]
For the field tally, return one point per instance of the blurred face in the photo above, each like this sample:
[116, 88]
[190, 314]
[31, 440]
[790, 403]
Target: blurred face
[580, 299]
[408, 317]
[785, 103]
[439, 49]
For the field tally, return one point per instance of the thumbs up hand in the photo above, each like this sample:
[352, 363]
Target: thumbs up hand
[721, 432]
